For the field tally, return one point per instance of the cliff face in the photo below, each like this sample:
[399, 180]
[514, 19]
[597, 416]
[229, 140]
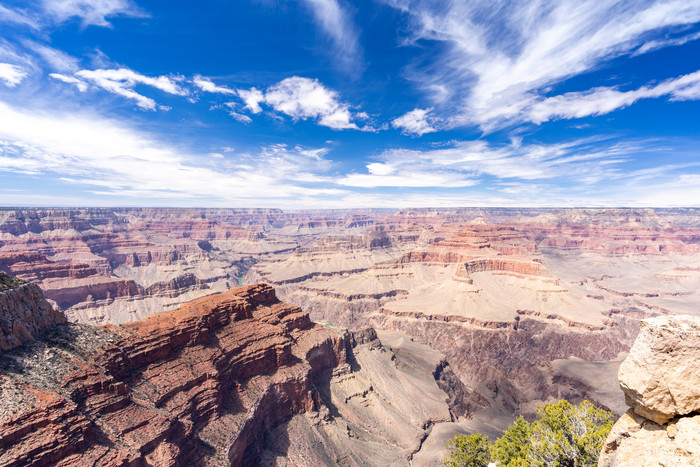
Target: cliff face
[213, 383]
[661, 382]
[551, 286]
[117, 265]
[24, 314]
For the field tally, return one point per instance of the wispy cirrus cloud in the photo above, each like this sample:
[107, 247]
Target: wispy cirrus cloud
[12, 75]
[465, 163]
[78, 83]
[499, 58]
[57, 60]
[662, 43]
[114, 160]
[90, 12]
[602, 100]
[206, 85]
[17, 16]
[336, 22]
[121, 82]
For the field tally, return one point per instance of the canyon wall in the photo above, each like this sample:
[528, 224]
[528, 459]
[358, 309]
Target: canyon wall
[527, 305]
[24, 314]
[237, 378]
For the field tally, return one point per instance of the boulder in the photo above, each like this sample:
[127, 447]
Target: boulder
[661, 382]
[661, 375]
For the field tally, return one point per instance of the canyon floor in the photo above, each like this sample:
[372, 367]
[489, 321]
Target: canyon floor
[482, 314]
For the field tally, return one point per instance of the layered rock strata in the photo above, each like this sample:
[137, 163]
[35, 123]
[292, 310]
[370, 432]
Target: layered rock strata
[24, 314]
[570, 283]
[223, 380]
[661, 381]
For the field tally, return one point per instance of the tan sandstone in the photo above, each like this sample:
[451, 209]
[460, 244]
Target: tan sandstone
[661, 382]
[661, 377]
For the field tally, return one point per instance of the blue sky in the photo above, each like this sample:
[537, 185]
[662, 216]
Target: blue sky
[332, 103]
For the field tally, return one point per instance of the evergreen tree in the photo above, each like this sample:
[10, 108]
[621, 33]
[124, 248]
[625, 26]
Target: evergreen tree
[512, 447]
[567, 435]
[563, 435]
[468, 451]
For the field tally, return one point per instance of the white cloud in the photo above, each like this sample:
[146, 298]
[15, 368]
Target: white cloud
[416, 122]
[117, 161]
[9, 15]
[302, 99]
[122, 81]
[56, 59]
[80, 84]
[205, 84]
[252, 98]
[465, 163]
[111, 163]
[666, 42]
[337, 23]
[91, 12]
[238, 116]
[298, 97]
[602, 100]
[407, 179]
[12, 75]
[501, 57]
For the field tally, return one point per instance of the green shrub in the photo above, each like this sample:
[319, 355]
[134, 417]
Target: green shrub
[563, 435]
[512, 447]
[9, 282]
[468, 451]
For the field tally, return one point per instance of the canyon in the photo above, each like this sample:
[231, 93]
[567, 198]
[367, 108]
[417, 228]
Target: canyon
[237, 378]
[490, 312]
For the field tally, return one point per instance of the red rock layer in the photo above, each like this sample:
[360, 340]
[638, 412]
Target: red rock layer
[199, 385]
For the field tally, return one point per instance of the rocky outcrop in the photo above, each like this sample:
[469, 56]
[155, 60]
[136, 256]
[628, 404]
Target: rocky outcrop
[491, 264]
[146, 397]
[661, 382]
[24, 315]
[237, 378]
[660, 377]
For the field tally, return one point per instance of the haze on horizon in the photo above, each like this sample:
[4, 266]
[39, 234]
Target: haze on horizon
[332, 103]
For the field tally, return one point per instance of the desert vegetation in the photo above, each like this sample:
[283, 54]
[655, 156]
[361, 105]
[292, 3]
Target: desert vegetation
[9, 282]
[562, 435]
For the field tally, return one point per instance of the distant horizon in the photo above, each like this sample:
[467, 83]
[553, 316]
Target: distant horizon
[404, 208]
[325, 104]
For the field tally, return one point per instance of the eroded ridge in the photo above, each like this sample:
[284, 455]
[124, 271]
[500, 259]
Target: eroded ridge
[237, 378]
[200, 384]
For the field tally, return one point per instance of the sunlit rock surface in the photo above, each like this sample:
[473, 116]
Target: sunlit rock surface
[527, 305]
[237, 378]
[660, 379]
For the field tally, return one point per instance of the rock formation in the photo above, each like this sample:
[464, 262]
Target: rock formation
[526, 304]
[661, 382]
[24, 313]
[236, 378]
